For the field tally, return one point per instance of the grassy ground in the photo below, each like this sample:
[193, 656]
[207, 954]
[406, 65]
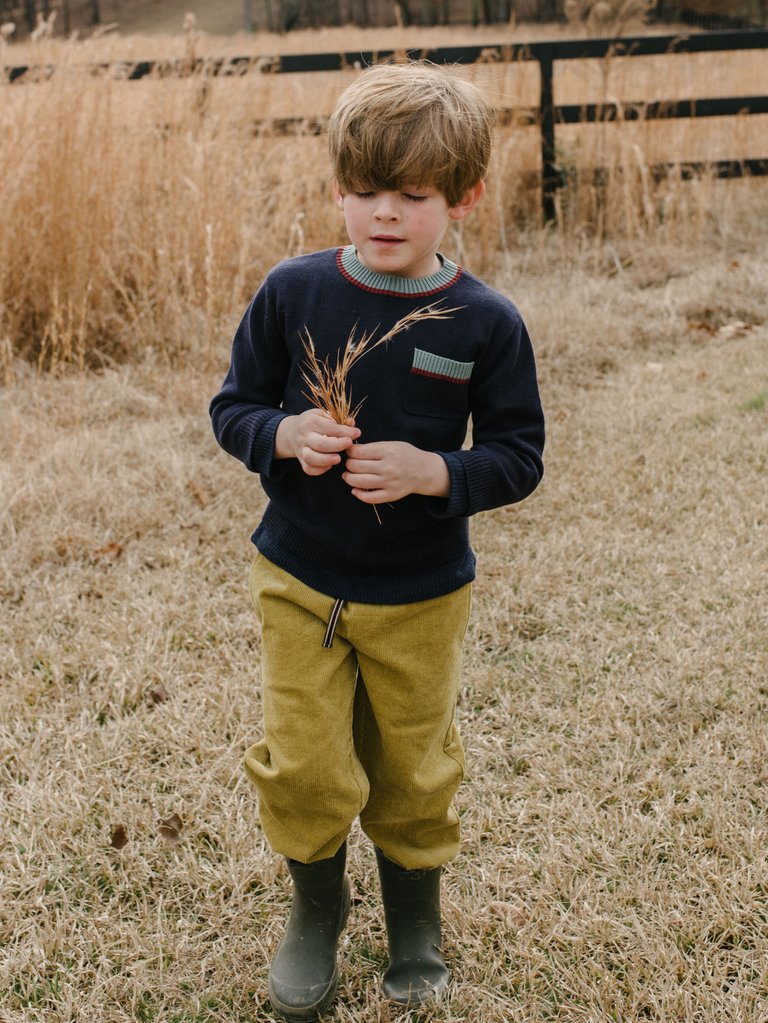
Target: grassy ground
[613, 865]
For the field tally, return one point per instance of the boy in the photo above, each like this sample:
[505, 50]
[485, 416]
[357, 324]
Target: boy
[364, 609]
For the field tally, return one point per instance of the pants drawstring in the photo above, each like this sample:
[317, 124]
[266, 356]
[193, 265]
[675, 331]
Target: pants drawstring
[332, 622]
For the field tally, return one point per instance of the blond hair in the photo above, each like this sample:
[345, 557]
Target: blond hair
[413, 124]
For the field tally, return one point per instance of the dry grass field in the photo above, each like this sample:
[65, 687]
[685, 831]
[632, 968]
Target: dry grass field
[615, 865]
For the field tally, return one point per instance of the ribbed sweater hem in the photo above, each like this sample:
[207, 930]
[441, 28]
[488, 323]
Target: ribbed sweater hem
[276, 539]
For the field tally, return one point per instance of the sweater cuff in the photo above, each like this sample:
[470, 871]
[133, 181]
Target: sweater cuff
[261, 444]
[455, 504]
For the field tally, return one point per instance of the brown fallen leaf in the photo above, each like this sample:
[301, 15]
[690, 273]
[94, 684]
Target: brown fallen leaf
[156, 694]
[705, 325]
[511, 915]
[109, 553]
[119, 836]
[170, 827]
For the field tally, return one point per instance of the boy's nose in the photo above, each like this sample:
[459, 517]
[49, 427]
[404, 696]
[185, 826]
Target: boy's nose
[386, 207]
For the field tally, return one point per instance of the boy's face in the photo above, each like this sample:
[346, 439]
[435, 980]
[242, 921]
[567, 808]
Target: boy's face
[399, 232]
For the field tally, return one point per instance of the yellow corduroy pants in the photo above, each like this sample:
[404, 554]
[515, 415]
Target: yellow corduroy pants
[363, 726]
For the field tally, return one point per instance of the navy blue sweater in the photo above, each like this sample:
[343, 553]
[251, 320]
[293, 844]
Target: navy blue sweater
[422, 388]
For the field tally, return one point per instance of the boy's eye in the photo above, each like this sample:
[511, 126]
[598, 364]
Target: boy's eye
[364, 195]
[411, 197]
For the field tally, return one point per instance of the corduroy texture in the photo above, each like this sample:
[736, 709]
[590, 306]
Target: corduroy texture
[365, 727]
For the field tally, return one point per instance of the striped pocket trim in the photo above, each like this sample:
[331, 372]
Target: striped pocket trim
[427, 364]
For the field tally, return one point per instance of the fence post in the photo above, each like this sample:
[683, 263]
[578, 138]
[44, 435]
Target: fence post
[550, 176]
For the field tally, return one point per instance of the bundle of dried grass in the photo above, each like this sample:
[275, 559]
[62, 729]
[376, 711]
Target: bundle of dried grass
[327, 383]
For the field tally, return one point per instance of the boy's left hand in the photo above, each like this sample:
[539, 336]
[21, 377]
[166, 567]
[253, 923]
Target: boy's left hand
[390, 470]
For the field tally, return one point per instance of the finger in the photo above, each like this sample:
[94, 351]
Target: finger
[318, 459]
[326, 442]
[325, 425]
[355, 464]
[370, 496]
[362, 481]
[345, 429]
[374, 452]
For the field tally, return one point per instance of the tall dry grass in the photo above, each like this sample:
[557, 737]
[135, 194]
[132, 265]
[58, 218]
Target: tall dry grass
[139, 217]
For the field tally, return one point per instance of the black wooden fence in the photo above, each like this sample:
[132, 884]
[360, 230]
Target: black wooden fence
[549, 112]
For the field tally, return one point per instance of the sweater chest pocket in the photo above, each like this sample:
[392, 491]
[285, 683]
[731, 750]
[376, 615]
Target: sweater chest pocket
[437, 386]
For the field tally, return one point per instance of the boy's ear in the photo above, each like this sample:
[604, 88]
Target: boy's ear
[337, 194]
[468, 201]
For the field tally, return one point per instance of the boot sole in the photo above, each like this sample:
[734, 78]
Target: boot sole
[309, 1013]
[424, 997]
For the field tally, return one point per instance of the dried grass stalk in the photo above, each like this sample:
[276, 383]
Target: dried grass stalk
[327, 383]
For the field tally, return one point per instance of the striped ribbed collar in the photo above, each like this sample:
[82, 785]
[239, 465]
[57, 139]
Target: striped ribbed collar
[390, 284]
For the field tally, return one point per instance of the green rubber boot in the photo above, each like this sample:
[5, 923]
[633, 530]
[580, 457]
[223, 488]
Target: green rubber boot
[417, 972]
[304, 975]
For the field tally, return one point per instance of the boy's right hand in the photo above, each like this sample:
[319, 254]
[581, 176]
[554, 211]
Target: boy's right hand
[315, 439]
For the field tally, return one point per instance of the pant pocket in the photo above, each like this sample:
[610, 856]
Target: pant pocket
[453, 748]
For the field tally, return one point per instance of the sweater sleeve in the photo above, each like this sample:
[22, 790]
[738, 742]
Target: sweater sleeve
[504, 464]
[247, 410]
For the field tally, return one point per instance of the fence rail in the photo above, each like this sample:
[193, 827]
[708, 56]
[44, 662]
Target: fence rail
[546, 54]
